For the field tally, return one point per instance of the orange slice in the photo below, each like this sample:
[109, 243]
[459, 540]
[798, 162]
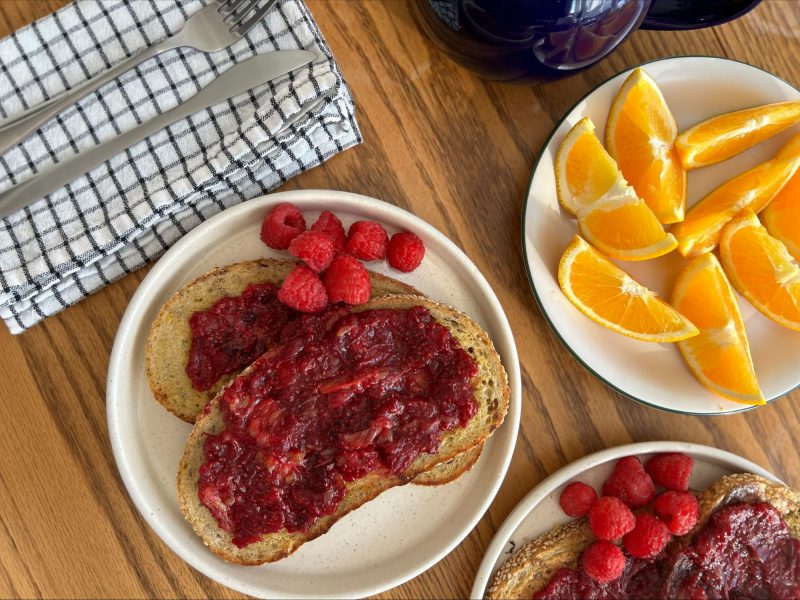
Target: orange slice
[640, 135]
[720, 355]
[624, 227]
[725, 135]
[609, 296]
[610, 214]
[761, 269]
[753, 189]
[584, 170]
[782, 215]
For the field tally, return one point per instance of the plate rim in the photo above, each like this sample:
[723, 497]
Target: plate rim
[526, 261]
[573, 469]
[150, 284]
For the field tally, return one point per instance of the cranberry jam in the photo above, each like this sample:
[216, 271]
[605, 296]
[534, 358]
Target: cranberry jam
[745, 551]
[340, 397]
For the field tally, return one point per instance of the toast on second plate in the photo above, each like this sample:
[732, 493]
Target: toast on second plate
[490, 391]
[533, 566]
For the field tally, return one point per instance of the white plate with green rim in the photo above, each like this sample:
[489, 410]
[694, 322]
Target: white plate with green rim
[539, 511]
[387, 541]
[695, 88]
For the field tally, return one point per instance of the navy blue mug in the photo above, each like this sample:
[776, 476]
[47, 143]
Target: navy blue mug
[532, 41]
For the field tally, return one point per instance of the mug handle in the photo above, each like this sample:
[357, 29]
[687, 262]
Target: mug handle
[677, 15]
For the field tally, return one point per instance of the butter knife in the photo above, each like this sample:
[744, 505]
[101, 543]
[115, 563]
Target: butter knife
[238, 79]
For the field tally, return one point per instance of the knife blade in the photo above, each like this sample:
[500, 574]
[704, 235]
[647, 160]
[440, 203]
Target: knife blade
[238, 79]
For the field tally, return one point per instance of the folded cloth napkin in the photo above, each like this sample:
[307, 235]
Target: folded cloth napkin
[129, 210]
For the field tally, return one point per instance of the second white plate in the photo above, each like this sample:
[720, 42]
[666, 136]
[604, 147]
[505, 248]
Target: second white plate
[696, 88]
[539, 511]
[382, 544]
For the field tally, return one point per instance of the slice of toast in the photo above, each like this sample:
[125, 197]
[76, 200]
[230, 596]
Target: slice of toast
[491, 393]
[533, 565]
[167, 350]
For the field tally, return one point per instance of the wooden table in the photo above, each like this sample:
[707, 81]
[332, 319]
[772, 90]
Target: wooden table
[455, 150]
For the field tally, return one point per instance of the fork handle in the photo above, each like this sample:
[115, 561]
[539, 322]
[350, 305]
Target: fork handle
[16, 131]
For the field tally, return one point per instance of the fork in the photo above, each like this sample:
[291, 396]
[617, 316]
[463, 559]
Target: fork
[214, 27]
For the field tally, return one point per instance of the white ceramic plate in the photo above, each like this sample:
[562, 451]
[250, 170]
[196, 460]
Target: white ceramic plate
[381, 545]
[695, 88]
[539, 511]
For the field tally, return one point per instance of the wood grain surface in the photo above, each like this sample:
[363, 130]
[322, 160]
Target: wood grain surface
[455, 150]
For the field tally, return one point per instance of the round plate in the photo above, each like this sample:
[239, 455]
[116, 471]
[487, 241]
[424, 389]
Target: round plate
[374, 548]
[539, 511]
[696, 88]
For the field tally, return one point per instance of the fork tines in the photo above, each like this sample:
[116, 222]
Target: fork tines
[243, 14]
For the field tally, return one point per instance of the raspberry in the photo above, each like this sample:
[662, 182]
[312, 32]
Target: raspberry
[346, 280]
[313, 248]
[610, 519]
[603, 561]
[405, 251]
[302, 290]
[648, 537]
[679, 510]
[671, 470]
[576, 499]
[630, 483]
[282, 224]
[367, 240]
[329, 224]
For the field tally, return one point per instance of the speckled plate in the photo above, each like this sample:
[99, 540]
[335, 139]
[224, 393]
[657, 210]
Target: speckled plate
[382, 544]
[538, 512]
[696, 88]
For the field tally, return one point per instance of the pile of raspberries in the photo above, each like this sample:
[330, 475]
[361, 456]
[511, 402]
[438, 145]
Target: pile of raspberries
[644, 534]
[331, 269]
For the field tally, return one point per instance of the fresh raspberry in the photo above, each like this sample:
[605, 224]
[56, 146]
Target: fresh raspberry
[678, 510]
[346, 280]
[630, 483]
[329, 224]
[367, 240]
[671, 470]
[405, 251]
[282, 224]
[610, 519]
[576, 499]
[313, 248]
[647, 538]
[302, 290]
[603, 561]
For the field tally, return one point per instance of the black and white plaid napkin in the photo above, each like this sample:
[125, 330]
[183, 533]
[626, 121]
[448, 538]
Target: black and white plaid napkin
[127, 211]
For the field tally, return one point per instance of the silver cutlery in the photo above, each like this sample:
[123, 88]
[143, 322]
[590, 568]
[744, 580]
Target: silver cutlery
[214, 27]
[238, 79]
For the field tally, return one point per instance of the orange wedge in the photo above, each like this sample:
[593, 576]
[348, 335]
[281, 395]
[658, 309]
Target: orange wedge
[782, 215]
[753, 189]
[610, 214]
[720, 355]
[625, 228]
[584, 170]
[640, 135]
[609, 296]
[761, 269]
[725, 135]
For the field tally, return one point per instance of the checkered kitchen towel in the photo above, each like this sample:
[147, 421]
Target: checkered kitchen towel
[122, 214]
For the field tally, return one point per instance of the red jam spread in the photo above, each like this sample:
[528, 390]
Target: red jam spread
[233, 333]
[342, 396]
[745, 551]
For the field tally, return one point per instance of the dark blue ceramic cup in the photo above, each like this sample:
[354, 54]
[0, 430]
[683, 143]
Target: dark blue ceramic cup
[532, 41]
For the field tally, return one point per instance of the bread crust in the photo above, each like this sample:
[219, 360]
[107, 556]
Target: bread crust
[491, 392]
[534, 564]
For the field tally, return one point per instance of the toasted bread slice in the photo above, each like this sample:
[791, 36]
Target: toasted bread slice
[167, 350]
[533, 565]
[491, 393]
